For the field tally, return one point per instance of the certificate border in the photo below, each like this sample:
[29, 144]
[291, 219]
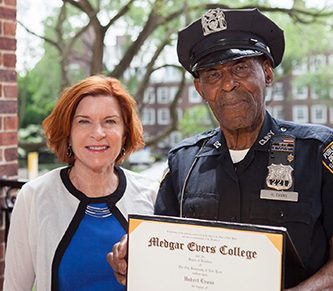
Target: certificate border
[220, 224]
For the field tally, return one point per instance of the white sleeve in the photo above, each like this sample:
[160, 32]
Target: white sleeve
[19, 267]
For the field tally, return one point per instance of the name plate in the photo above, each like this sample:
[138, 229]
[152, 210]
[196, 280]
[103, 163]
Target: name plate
[167, 253]
[279, 195]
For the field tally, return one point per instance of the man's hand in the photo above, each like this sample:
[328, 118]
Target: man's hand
[322, 280]
[117, 260]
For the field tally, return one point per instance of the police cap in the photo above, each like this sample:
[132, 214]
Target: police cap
[222, 35]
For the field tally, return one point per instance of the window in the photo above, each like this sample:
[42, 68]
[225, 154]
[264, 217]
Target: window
[148, 116]
[163, 116]
[149, 96]
[172, 93]
[277, 112]
[314, 93]
[330, 59]
[278, 91]
[319, 114]
[300, 92]
[163, 95]
[179, 114]
[316, 62]
[300, 114]
[193, 95]
[175, 138]
[330, 90]
[318, 93]
[299, 67]
[268, 94]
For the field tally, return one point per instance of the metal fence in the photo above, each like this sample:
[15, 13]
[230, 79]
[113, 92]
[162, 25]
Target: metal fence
[9, 189]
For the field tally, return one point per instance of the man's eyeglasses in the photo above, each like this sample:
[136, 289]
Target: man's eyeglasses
[238, 70]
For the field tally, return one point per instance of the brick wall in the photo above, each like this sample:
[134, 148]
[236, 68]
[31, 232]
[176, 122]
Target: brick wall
[8, 103]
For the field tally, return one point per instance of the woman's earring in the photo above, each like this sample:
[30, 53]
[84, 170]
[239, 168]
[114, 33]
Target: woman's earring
[69, 151]
[123, 151]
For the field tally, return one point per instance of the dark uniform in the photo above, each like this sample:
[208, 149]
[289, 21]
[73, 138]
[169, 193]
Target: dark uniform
[202, 182]
[286, 177]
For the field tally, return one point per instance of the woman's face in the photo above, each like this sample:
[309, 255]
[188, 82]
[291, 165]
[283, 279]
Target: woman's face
[97, 133]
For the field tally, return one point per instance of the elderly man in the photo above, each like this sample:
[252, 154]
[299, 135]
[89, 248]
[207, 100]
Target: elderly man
[239, 171]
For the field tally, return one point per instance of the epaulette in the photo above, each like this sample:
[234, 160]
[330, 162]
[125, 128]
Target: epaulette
[195, 139]
[308, 131]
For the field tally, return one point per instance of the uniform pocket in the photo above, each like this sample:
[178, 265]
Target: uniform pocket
[201, 206]
[276, 212]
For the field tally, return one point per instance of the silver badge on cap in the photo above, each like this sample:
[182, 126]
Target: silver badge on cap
[279, 177]
[213, 21]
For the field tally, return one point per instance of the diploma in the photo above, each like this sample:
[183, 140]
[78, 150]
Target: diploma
[167, 253]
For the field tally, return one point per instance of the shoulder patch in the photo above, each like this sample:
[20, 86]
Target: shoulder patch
[328, 157]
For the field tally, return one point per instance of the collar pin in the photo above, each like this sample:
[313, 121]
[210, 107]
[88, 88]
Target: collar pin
[217, 144]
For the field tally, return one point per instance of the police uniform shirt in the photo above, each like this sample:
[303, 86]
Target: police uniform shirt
[217, 189]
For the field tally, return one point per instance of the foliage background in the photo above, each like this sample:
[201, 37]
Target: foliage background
[79, 36]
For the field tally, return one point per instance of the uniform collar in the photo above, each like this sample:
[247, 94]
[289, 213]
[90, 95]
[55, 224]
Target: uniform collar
[269, 128]
[213, 145]
[216, 144]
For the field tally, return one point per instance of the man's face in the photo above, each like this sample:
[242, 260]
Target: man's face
[235, 92]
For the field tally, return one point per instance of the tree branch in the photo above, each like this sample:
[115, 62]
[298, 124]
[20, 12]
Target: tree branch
[149, 70]
[47, 39]
[121, 12]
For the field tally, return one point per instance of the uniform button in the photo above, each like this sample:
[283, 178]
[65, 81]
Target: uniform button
[281, 214]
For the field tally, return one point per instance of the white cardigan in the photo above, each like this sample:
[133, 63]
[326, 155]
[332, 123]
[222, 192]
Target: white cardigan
[42, 213]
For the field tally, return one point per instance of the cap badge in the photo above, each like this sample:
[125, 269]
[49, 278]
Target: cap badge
[213, 21]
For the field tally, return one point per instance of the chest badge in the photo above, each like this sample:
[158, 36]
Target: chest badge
[279, 177]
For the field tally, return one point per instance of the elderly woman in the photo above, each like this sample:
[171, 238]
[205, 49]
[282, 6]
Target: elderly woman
[65, 221]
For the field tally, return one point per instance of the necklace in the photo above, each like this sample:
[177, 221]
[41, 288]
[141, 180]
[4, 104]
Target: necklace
[98, 212]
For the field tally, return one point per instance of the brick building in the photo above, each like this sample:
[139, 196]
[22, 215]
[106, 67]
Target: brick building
[156, 115]
[302, 99]
[8, 103]
[293, 96]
